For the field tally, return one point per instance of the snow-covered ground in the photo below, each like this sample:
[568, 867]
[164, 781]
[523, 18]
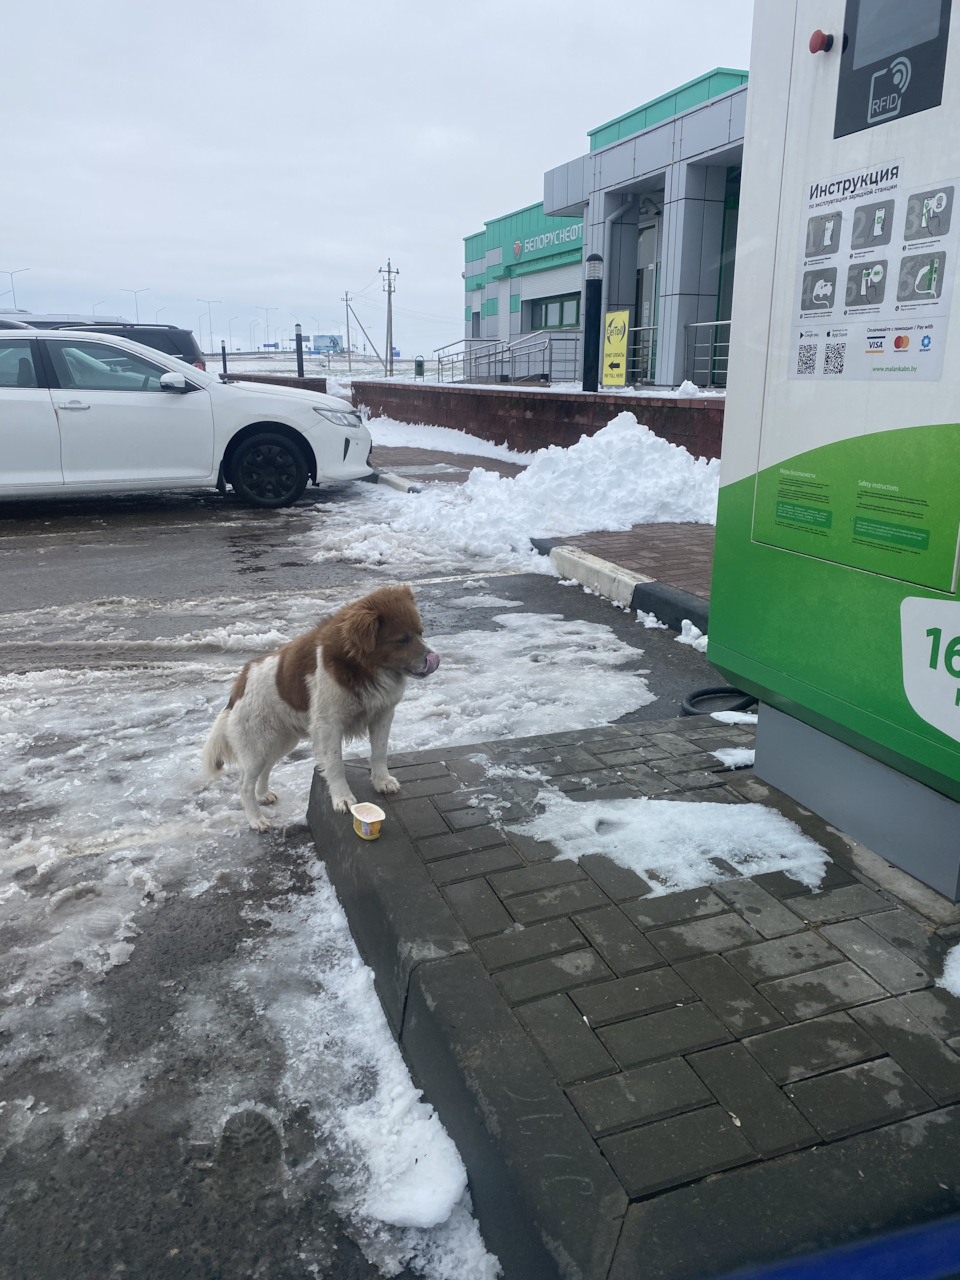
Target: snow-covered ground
[113, 822]
[622, 476]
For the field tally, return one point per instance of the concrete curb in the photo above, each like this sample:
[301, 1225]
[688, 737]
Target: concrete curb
[548, 1204]
[631, 590]
[392, 481]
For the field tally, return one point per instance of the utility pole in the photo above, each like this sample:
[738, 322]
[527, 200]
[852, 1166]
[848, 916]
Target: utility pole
[388, 289]
[346, 299]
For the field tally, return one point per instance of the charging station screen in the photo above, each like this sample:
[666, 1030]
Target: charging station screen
[886, 27]
[892, 61]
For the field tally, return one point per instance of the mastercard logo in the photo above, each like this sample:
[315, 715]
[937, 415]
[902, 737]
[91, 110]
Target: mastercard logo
[901, 342]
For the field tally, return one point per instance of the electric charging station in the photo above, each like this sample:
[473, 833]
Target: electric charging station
[834, 594]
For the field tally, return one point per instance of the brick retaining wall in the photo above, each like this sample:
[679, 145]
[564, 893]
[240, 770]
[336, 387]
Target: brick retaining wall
[279, 380]
[527, 419]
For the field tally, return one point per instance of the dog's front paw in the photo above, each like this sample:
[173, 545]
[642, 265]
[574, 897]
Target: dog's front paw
[259, 824]
[386, 784]
[342, 801]
[268, 797]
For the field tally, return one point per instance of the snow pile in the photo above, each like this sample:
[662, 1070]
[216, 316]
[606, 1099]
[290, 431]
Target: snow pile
[735, 717]
[622, 476]
[692, 636]
[672, 843]
[390, 434]
[951, 972]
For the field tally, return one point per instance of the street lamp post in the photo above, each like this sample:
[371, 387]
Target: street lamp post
[253, 324]
[157, 314]
[97, 304]
[210, 302]
[266, 323]
[136, 300]
[230, 330]
[11, 274]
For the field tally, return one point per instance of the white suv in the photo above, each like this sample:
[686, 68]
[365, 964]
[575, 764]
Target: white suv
[93, 413]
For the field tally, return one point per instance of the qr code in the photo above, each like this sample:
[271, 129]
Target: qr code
[807, 358]
[833, 357]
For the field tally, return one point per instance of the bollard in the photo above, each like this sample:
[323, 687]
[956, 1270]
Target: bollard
[299, 333]
[223, 354]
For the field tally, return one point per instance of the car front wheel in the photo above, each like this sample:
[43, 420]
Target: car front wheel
[269, 470]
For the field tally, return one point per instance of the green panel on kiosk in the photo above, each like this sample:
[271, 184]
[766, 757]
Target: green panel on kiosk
[888, 503]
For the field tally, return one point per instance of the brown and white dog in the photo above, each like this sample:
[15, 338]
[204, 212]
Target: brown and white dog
[340, 681]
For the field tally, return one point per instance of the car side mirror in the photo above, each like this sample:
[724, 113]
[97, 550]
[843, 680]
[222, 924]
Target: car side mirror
[173, 382]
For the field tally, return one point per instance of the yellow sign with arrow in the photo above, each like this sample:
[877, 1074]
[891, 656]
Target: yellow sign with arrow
[615, 327]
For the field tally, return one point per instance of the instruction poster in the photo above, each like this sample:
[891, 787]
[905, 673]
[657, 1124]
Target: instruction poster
[874, 278]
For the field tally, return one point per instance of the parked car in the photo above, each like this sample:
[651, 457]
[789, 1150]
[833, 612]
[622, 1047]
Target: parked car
[162, 337]
[84, 412]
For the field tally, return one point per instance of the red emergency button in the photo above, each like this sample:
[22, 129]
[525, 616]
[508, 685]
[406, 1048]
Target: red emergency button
[820, 42]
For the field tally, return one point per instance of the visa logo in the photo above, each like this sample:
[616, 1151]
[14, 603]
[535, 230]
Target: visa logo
[875, 344]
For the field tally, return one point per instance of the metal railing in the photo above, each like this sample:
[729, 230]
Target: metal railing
[533, 357]
[707, 352]
[642, 354]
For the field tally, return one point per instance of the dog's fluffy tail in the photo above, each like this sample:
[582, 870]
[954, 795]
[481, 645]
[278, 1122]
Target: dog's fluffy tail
[217, 750]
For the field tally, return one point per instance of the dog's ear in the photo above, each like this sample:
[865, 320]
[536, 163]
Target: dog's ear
[362, 630]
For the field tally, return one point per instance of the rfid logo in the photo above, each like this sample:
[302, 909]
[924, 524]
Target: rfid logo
[901, 342]
[887, 87]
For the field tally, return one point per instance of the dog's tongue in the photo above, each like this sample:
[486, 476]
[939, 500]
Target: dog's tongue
[433, 661]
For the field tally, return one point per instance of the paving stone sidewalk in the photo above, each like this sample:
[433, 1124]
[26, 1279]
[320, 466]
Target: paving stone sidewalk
[666, 1085]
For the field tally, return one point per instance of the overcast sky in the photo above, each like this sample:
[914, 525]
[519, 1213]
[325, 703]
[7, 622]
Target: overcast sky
[265, 155]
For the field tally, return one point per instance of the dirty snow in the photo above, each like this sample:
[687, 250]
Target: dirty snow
[735, 717]
[488, 522]
[110, 822]
[672, 844]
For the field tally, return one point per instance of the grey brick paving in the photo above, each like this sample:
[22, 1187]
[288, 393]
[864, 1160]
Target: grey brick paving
[420, 818]
[636, 1097]
[542, 876]
[838, 904]
[860, 1097]
[909, 935]
[937, 1009]
[558, 973]
[516, 946]
[694, 1031]
[621, 943]
[810, 1048]
[807, 995]
[478, 908]
[912, 1046]
[626, 997]
[736, 1003]
[770, 1122]
[620, 883]
[677, 1150]
[761, 909]
[563, 900]
[661, 1035]
[780, 957]
[565, 1040]
[699, 937]
[477, 863]
[674, 907]
[894, 970]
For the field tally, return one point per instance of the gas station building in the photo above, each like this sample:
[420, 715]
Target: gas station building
[657, 196]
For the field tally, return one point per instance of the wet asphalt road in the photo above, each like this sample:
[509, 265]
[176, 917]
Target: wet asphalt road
[138, 1197]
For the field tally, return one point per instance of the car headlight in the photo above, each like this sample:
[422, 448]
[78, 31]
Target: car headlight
[337, 418]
